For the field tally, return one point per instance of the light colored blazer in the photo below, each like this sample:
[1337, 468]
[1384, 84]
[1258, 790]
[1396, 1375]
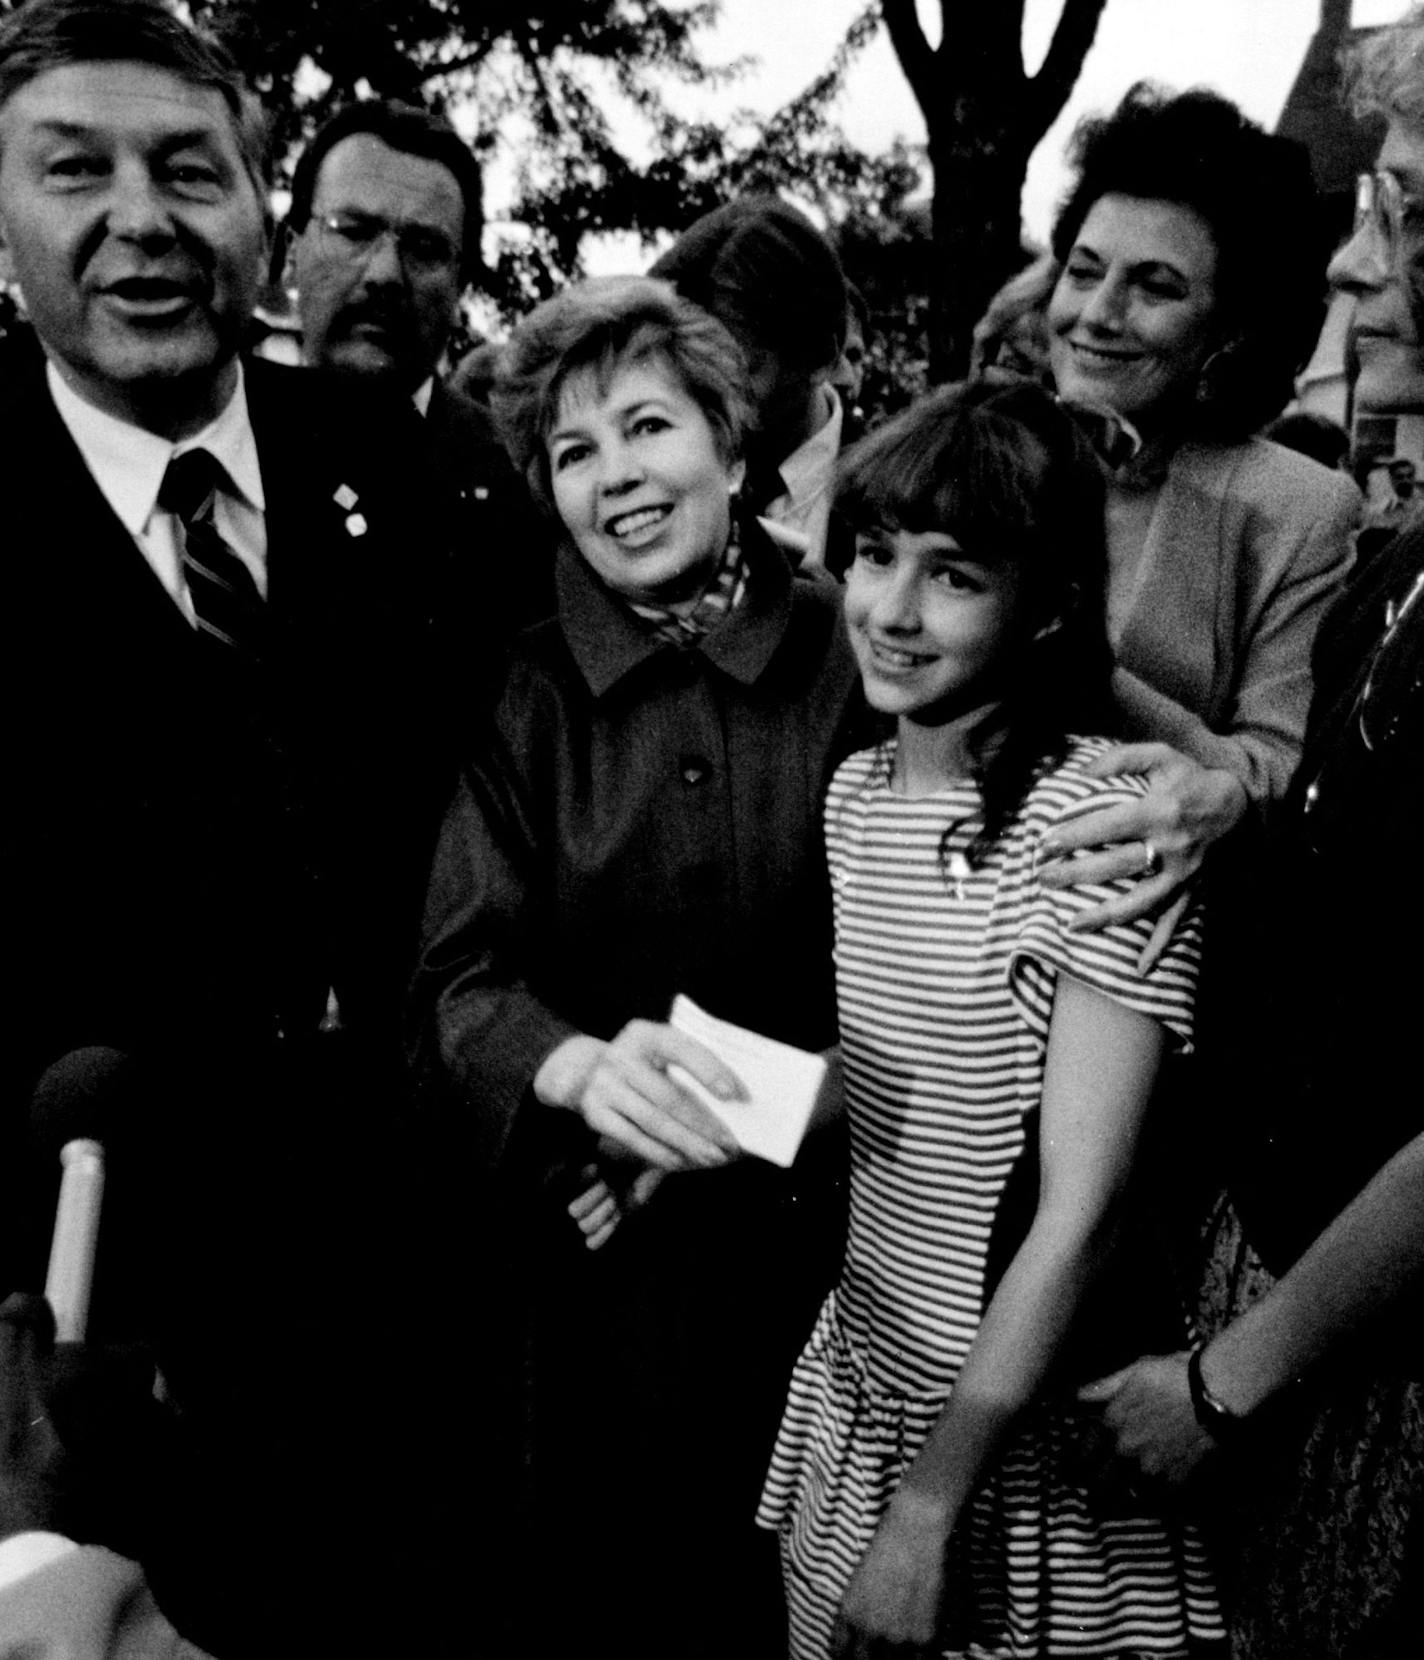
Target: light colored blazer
[1247, 545]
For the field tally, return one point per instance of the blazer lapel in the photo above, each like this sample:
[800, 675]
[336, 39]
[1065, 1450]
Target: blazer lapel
[1174, 622]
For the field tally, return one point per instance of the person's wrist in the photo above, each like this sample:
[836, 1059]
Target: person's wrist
[1235, 801]
[564, 1072]
[1215, 1415]
[923, 1512]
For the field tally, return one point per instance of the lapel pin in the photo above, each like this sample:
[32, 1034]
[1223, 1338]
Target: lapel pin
[345, 497]
[355, 524]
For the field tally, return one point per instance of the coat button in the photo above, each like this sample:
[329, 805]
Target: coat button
[694, 769]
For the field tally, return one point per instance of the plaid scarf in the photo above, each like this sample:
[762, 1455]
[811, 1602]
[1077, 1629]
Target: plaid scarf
[724, 592]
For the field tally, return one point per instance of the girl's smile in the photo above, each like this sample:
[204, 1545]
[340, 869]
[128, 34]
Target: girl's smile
[931, 626]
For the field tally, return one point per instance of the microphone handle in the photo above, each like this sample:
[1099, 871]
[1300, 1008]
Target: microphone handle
[76, 1233]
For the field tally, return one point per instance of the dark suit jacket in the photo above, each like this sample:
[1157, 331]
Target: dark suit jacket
[200, 849]
[199, 839]
[502, 574]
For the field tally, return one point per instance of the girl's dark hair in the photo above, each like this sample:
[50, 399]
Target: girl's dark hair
[1010, 475]
[1255, 194]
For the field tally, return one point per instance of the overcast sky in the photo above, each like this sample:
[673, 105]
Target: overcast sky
[1248, 49]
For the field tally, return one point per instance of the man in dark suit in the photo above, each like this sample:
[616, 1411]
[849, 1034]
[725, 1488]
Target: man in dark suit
[228, 758]
[382, 240]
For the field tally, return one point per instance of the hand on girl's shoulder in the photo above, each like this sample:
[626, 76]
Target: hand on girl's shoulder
[1120, 858]
[1072, 790]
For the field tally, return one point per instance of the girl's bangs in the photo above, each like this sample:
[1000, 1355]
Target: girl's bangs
[974, 475]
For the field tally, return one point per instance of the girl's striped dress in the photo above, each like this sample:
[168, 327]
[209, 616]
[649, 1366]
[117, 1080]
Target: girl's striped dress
[945, 981]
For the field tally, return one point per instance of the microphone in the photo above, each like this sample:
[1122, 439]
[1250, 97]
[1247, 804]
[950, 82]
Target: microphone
[68, 1107]
[76, 1236]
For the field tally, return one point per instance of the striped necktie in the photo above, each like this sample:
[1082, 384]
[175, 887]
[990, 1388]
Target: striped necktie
[225, 599]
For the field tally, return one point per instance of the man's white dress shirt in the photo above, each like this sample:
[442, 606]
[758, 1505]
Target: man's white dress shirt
[128, 465]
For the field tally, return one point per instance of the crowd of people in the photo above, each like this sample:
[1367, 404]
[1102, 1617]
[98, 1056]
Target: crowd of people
[390, 757]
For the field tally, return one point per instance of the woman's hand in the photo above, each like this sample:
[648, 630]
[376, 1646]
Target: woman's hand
[894, 1602]
[1147, 1408]
[622, 1091]
[1162, 838]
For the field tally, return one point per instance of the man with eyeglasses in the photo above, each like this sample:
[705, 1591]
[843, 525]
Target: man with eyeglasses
[382, 240]
[1306, 1395]
[383, 236]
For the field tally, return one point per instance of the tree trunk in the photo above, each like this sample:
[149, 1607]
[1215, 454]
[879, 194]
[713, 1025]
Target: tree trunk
[984, 116]
[977, 228]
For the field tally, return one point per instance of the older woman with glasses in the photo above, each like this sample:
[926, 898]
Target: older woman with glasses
[644, 821]
[1307, 1399]
[1188, 287]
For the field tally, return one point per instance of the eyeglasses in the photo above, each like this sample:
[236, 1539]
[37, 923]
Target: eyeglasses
[1395, 217]
[1395, 678]
[1389, 698]
[422, 250]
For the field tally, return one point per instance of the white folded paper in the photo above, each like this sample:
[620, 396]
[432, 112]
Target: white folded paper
[782, 1082]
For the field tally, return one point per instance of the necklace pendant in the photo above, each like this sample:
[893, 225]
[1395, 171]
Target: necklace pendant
[959, 873]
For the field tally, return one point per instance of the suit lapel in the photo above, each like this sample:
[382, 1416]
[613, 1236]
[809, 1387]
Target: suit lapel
[286, 455]
[91, 568]
[1174, 619]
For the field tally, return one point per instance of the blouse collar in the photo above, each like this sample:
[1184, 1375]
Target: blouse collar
[608, 641]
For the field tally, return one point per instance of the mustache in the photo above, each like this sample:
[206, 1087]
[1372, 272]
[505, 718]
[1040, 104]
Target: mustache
[391, 315]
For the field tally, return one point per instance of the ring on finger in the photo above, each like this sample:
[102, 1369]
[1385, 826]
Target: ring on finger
[1151, 859]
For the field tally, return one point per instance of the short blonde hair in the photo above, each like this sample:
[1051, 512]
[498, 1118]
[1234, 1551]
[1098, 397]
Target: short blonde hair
[601, 325]
[1384, 71]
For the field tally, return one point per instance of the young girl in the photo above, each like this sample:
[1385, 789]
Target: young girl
[926, 1482]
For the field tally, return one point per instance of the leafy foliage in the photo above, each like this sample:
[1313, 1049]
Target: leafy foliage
[887, 251]
[538, 89]
[558, 95]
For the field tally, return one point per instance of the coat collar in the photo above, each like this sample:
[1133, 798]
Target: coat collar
[608, 642]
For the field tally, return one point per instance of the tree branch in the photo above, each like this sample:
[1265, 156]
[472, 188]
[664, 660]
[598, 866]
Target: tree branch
[917, 60]
[458, 62]
[1050, 87]
[546, 112]
[807, 110]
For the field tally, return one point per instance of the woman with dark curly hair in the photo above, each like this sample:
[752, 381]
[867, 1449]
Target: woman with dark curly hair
[1190, 288]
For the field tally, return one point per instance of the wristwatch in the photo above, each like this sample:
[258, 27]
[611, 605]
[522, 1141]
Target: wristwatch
[1219, 1421]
